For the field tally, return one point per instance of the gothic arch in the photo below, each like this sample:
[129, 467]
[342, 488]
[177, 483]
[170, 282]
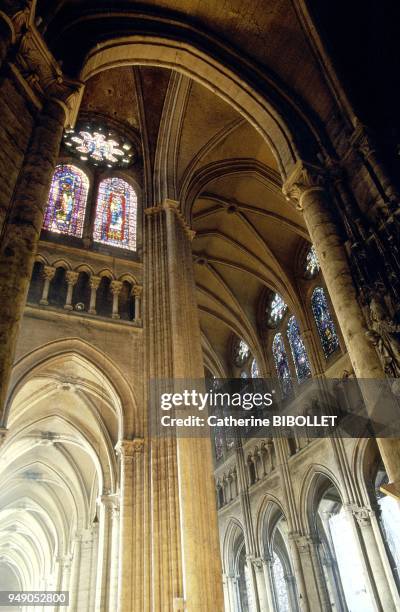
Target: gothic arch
[316, 480]
[185, 57]
[129, 417]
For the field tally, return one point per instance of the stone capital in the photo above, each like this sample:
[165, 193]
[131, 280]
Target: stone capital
[361, 140]
[127, 449]
[174, 207]
[94, 281]
[48, 272]
[304, 179]
[109, 500]
[71, 277]
[116, 287]
[38, 69]
[137, 290]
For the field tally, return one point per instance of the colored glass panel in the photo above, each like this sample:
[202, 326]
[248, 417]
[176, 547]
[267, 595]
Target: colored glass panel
[242, 353]
[312, 263]
[281, 364]
[255, 372]
[116, 214]
[323, 320]
[277, 308]
[65, 211]
[300, 358]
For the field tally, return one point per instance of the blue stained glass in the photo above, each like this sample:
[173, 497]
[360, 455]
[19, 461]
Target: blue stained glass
[65, 211]
[116, 213]
[324, 322]
[281, 364]
[300, 358]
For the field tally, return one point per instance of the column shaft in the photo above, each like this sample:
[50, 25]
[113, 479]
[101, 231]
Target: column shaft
[182, 476]
[306, 187]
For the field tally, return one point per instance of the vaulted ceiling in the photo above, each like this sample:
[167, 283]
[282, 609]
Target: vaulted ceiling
[204, 154]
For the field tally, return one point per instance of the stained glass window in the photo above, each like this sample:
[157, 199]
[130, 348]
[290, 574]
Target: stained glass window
[277, 309]
[300, 358]
[312, 263]
[281, 364]
[241, 353]
[280, 585]
[116, 214]
[324, 322]
[255, 372]
[66, 205]
[100, 146]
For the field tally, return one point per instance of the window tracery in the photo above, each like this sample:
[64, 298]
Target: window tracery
[255, 372]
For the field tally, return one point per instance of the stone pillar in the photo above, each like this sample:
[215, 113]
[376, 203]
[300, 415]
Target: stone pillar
[75, 574]
[376, 568]
[20, 238]
[310, 580]
[131, 530]
[107, 503]
[48, 275]
[71, 278]
[116, 287]
[114, 558]
[258, 566]
[185, 539]
[306, 187]
[269, 583]
[232, 592]
[94, 283]
[137, 292]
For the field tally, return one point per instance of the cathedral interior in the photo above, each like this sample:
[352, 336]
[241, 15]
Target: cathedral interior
[195, 190]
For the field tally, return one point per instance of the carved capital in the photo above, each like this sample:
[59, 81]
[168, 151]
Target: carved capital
[171, 205]
[361, 514]
[362, 141]
[137, 290]
[94, 281]
[116, 287]
[37, 69]
[71, 277]
[128, 449]
[49, 272]
[304, 179]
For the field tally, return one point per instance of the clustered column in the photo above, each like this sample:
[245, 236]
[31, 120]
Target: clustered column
[185, 547]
